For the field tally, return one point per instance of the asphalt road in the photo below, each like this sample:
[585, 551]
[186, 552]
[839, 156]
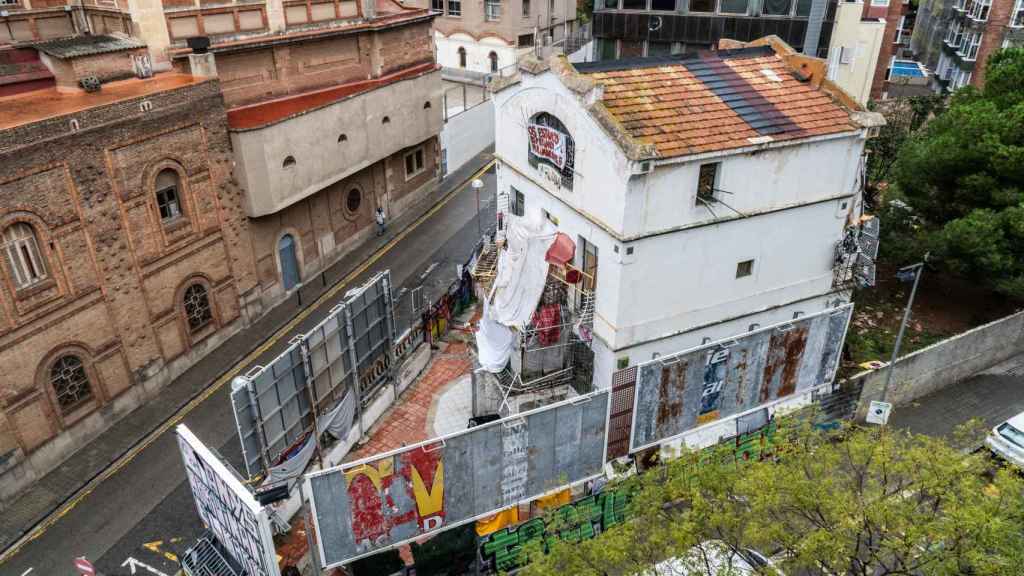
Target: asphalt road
[145, 510]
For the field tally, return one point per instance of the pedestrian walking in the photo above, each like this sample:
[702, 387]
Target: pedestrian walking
[379, 216]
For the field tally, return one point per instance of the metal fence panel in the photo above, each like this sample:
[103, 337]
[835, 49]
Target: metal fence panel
[371, 316]
[330, 365]
[282, 402]
[363, 507]
[248, 429]
[721, 379]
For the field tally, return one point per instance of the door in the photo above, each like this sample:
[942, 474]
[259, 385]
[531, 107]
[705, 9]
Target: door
[289, 262]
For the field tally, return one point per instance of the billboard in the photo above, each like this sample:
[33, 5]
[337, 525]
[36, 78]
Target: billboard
[342, 358]
[227, 508]
[383, 501]
[688, 389]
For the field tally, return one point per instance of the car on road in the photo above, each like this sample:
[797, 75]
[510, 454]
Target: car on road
[715, 558]
[1007, 440]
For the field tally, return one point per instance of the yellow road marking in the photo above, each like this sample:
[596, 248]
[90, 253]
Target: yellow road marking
[154, 547]
[185, 410]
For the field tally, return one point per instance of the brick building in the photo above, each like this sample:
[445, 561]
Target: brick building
[126, 249]
[145, 222]
[973, 31]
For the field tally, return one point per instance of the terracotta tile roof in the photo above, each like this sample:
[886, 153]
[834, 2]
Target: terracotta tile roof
[704, 104]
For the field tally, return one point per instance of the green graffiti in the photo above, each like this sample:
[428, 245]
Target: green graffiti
[580, 520]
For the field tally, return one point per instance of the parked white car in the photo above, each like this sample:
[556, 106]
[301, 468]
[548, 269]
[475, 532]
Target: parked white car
[1007, 440]
[714, 558]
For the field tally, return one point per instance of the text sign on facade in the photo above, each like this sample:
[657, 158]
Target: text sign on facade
[384, 501]
[548, 143]
[721, 379]
[227, 508]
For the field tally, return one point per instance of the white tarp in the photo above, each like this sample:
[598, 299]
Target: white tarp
[338, 422]
[522, 272]
[293, 466]
[494, 343]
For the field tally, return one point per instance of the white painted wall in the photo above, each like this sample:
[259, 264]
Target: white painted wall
[467, 134]
[477, 51]
[860, 41]
[790, 205]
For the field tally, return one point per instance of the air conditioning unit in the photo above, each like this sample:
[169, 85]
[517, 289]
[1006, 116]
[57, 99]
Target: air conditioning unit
[645, 167]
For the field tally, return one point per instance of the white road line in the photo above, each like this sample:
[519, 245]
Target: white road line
[27, 572]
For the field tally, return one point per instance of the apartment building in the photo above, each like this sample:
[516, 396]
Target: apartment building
[683, 183]
[477, 38]
[962, 34]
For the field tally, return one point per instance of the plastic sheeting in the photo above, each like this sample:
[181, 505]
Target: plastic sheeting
[494, 343]
[522, 272]
[338, 422]
[293, 466]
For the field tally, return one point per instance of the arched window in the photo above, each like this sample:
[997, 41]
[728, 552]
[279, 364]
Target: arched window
[493, 57]
[462, 57]
[426, 105]
[386, 120]
[289, 162]
[353, 200]
[343, 138]
[24, 260]
[197, 307]
[70, 383]
[167, 187]
[559, 156]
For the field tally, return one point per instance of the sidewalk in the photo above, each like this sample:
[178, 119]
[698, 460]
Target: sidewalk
[51, 491]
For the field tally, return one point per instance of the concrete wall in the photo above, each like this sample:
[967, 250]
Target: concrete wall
[945, 363]
[477, 51]
[467, 134]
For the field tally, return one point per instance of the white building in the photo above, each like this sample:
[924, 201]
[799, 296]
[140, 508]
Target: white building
[707, 195]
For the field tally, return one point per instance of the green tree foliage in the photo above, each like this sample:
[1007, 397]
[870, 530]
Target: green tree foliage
[903, 117]
[856, 501]
[963, 174]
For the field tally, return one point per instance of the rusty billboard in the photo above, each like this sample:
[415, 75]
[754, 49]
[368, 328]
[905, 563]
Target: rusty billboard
[682, 391]
[386, 500]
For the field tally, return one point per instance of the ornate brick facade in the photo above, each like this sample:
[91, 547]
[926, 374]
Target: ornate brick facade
[111, 283]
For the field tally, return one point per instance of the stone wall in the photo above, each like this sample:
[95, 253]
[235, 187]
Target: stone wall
[114, 271]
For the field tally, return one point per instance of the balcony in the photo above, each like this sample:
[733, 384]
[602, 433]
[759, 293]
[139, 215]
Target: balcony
[289, 148]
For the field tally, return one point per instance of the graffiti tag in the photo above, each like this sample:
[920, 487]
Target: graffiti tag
[581, 520]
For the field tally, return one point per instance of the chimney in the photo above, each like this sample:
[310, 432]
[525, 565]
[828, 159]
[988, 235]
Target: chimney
[201, 60]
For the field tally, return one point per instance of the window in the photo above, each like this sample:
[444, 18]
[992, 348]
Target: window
[707, 178]
[167, 185]
[518, 205]
[588, 264]
[353, 200]
[525, 40]
[1017, 16]
[776, 7]
[969, 50]
[492, 10]
[342, 138]
[634, 4]
[610, 4]
[437, 5]
[493, 57]
[462, 57]
[560, 171]
[702, 5]
[664, 5]
[745, 268]
[197, 308]
[734, 6]
[455, 7]
[879, 2]
[70, 383]
[605, 48]
[386, 120]
[426, 105]
[899, 30]
[955, 34]
[289, 162]
[658, 48]
[803, 8]
[980, 9]
[23, 257]
[526, 12]
[413, 163]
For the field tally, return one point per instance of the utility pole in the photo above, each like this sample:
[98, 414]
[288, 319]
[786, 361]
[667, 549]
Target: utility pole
[904, 275]
[477, 185]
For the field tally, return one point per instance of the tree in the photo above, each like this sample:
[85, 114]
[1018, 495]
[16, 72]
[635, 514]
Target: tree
[856, 501]
[963, 174]
[903, 118]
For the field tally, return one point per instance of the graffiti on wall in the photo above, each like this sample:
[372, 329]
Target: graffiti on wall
[364, 507]
[677, 393]
[399, 494]
[581, 520]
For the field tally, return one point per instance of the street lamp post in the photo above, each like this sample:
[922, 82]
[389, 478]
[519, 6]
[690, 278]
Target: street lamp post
[477, 185]
[904, 275]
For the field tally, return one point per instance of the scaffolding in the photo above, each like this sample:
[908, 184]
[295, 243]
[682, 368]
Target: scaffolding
[553, 359]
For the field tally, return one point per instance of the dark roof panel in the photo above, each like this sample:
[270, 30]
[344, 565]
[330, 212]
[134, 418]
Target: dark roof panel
[77, 46]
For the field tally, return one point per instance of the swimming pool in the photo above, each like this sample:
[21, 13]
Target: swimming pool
[907, 68]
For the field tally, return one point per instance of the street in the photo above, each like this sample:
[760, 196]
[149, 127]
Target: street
[142, 517]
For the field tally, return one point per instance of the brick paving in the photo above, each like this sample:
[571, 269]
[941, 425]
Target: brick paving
[407, 422]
